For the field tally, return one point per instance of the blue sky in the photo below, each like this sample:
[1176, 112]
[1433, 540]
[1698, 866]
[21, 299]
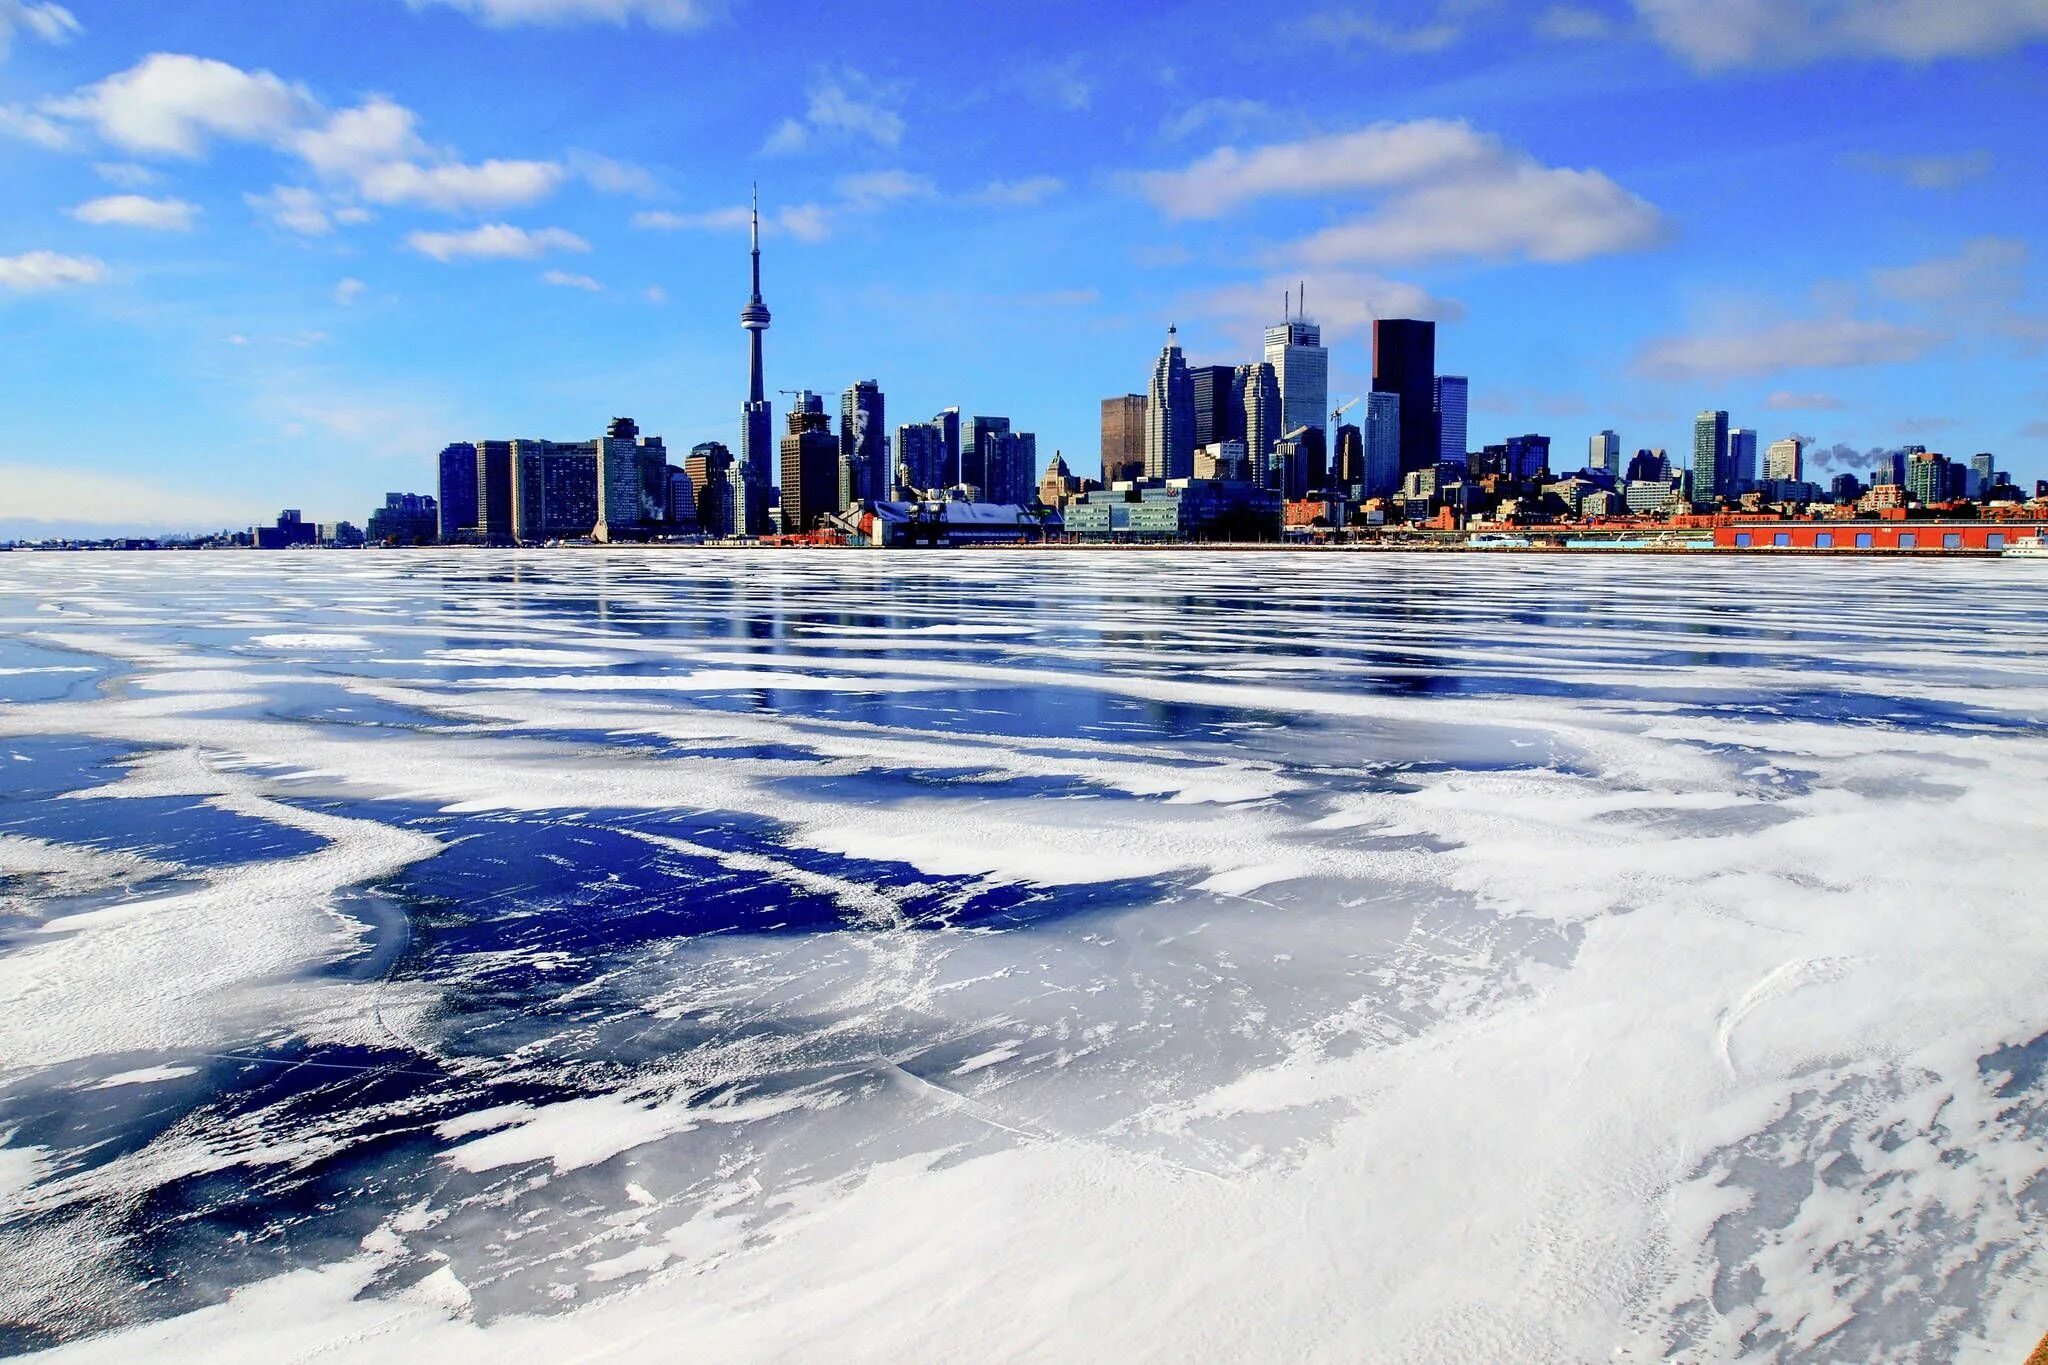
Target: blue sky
[255, 254]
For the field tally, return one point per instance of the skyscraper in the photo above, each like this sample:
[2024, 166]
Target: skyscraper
[494, 491]
[457, 490]
[1382, 438]
[622, 479]
[948, 423]
[810, 466]
[980, 456]
[863, 444]
[1784, 461]
[1170, 415]
[1347, 462]
[554, 489]
[1404, 363]
[1710, 475]
[1123, 438]
[708, 467]
[920, 457]
[1452, 392]
[1603, 453]
[1215, 390]
[1294, 349]
[757, 434]
[1258, 397]
[1741, 460]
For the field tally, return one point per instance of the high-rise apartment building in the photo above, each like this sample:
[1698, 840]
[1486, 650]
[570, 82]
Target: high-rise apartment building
[863, 444]
[1710, 473]
[494, 492]
[1741, 460]
[1215, 390]
[1258, 398]
[981, 455]
[920, 457]
[708, 467]
[1452, 395]
[632, 480]
[1603, 453]
[1785, 461]
[1170, 415]
[1123, 438]
[810, 466]
[947, 420]
[1382, 437]
[554, 490]
[1404, 364]
[457, 490]
[1301, 366]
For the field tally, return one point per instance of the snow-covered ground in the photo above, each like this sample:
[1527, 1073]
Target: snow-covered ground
[996, 956]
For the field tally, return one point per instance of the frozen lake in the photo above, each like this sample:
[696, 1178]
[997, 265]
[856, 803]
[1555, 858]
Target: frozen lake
[1278, 956]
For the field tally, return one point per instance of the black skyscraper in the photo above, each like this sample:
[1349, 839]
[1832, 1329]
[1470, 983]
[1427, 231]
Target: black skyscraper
[1404, 363]
[458, 491]
[1215, 402]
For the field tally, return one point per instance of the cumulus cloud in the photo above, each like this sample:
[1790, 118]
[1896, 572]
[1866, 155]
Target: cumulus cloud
[1977, 291]
[1230, 116]
[1784, 400]
[843, 104]
[563, 279]
[347, 291]
[1360, 26]
[49, 23]
[876, 188]
[805, 222]
[1720, 34]
[613, 177]
[136, 210]
[1821, 344]
[30, 126]
[1345, 302]
[1929, 172]
[128, 175]
[1446, 190]
[36, 271]
[668, 14]
[295, 209]
[169, 104]
[495, 241]
[455, 187]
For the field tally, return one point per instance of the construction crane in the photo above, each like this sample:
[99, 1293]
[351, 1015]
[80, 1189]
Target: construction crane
[1298, 432]
[1338, 414]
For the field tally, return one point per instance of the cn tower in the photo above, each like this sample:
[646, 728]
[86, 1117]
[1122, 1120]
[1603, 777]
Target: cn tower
[756, 426]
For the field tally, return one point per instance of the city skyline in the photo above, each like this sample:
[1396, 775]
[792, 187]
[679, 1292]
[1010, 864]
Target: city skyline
[311, 263]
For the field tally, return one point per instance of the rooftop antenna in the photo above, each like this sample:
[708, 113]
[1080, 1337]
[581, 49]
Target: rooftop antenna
[1303, 296]
[1286, 306]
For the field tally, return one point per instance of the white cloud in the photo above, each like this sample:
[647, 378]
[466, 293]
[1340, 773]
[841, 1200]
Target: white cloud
[1930, 172]
[168, 105]
[562, 279]
[454, 187]
[353, 142]
[1058, 85]
[876, 188]
[1718, 34]
[1346, 303]
[349, 290]
[495, 241]
[668, 14]
[1986, 270]
[614, 177]
[128, 175]
[805, 222]
[295, 209]
[30, 126]
[1819, 344]
[1786, 401]
[35, 271]
[136, 210]
[1574, 24]
[1018, 193]
[1232, 116]
[1360, 27]
[1448, 191]
[844, 104]
[50, 23]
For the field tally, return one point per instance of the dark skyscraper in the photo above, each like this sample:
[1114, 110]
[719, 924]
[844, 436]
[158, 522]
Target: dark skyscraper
[757, 434]
[810, 466]
[1215, 404]
[1404, 364]
[979, 453]
[1123, 438]
[494, 491]
[458, 491]
[863, 444]
[948, 423]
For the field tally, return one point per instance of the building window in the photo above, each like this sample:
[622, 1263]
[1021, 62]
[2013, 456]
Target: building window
[1908, 541]
[1782, 538]
[1995, 541]
[1863, 540]
[1825, 540]
[1742, 540]
[1952, 540]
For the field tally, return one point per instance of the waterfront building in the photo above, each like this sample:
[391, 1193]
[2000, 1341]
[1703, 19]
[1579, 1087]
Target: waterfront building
[1603, 453]
[753, 511]
[405, 519]
[1382, 439]
[1177, 510]
[810, 466]
[1928, 478]
[457, 488]
[920, 459]
[494, 492]
[291, 529]
[756, 424]
[1785, 460]
[1741, 459]
[682, 503]
[1123, 438]
[1710, 472]
[708, 467]
[1258, 398]
[1452, 396]
[863, 444]
[977, 446]
[1404, 363]
[1301, 367]
[1170, 415]
[554, 490]
[632, 481]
